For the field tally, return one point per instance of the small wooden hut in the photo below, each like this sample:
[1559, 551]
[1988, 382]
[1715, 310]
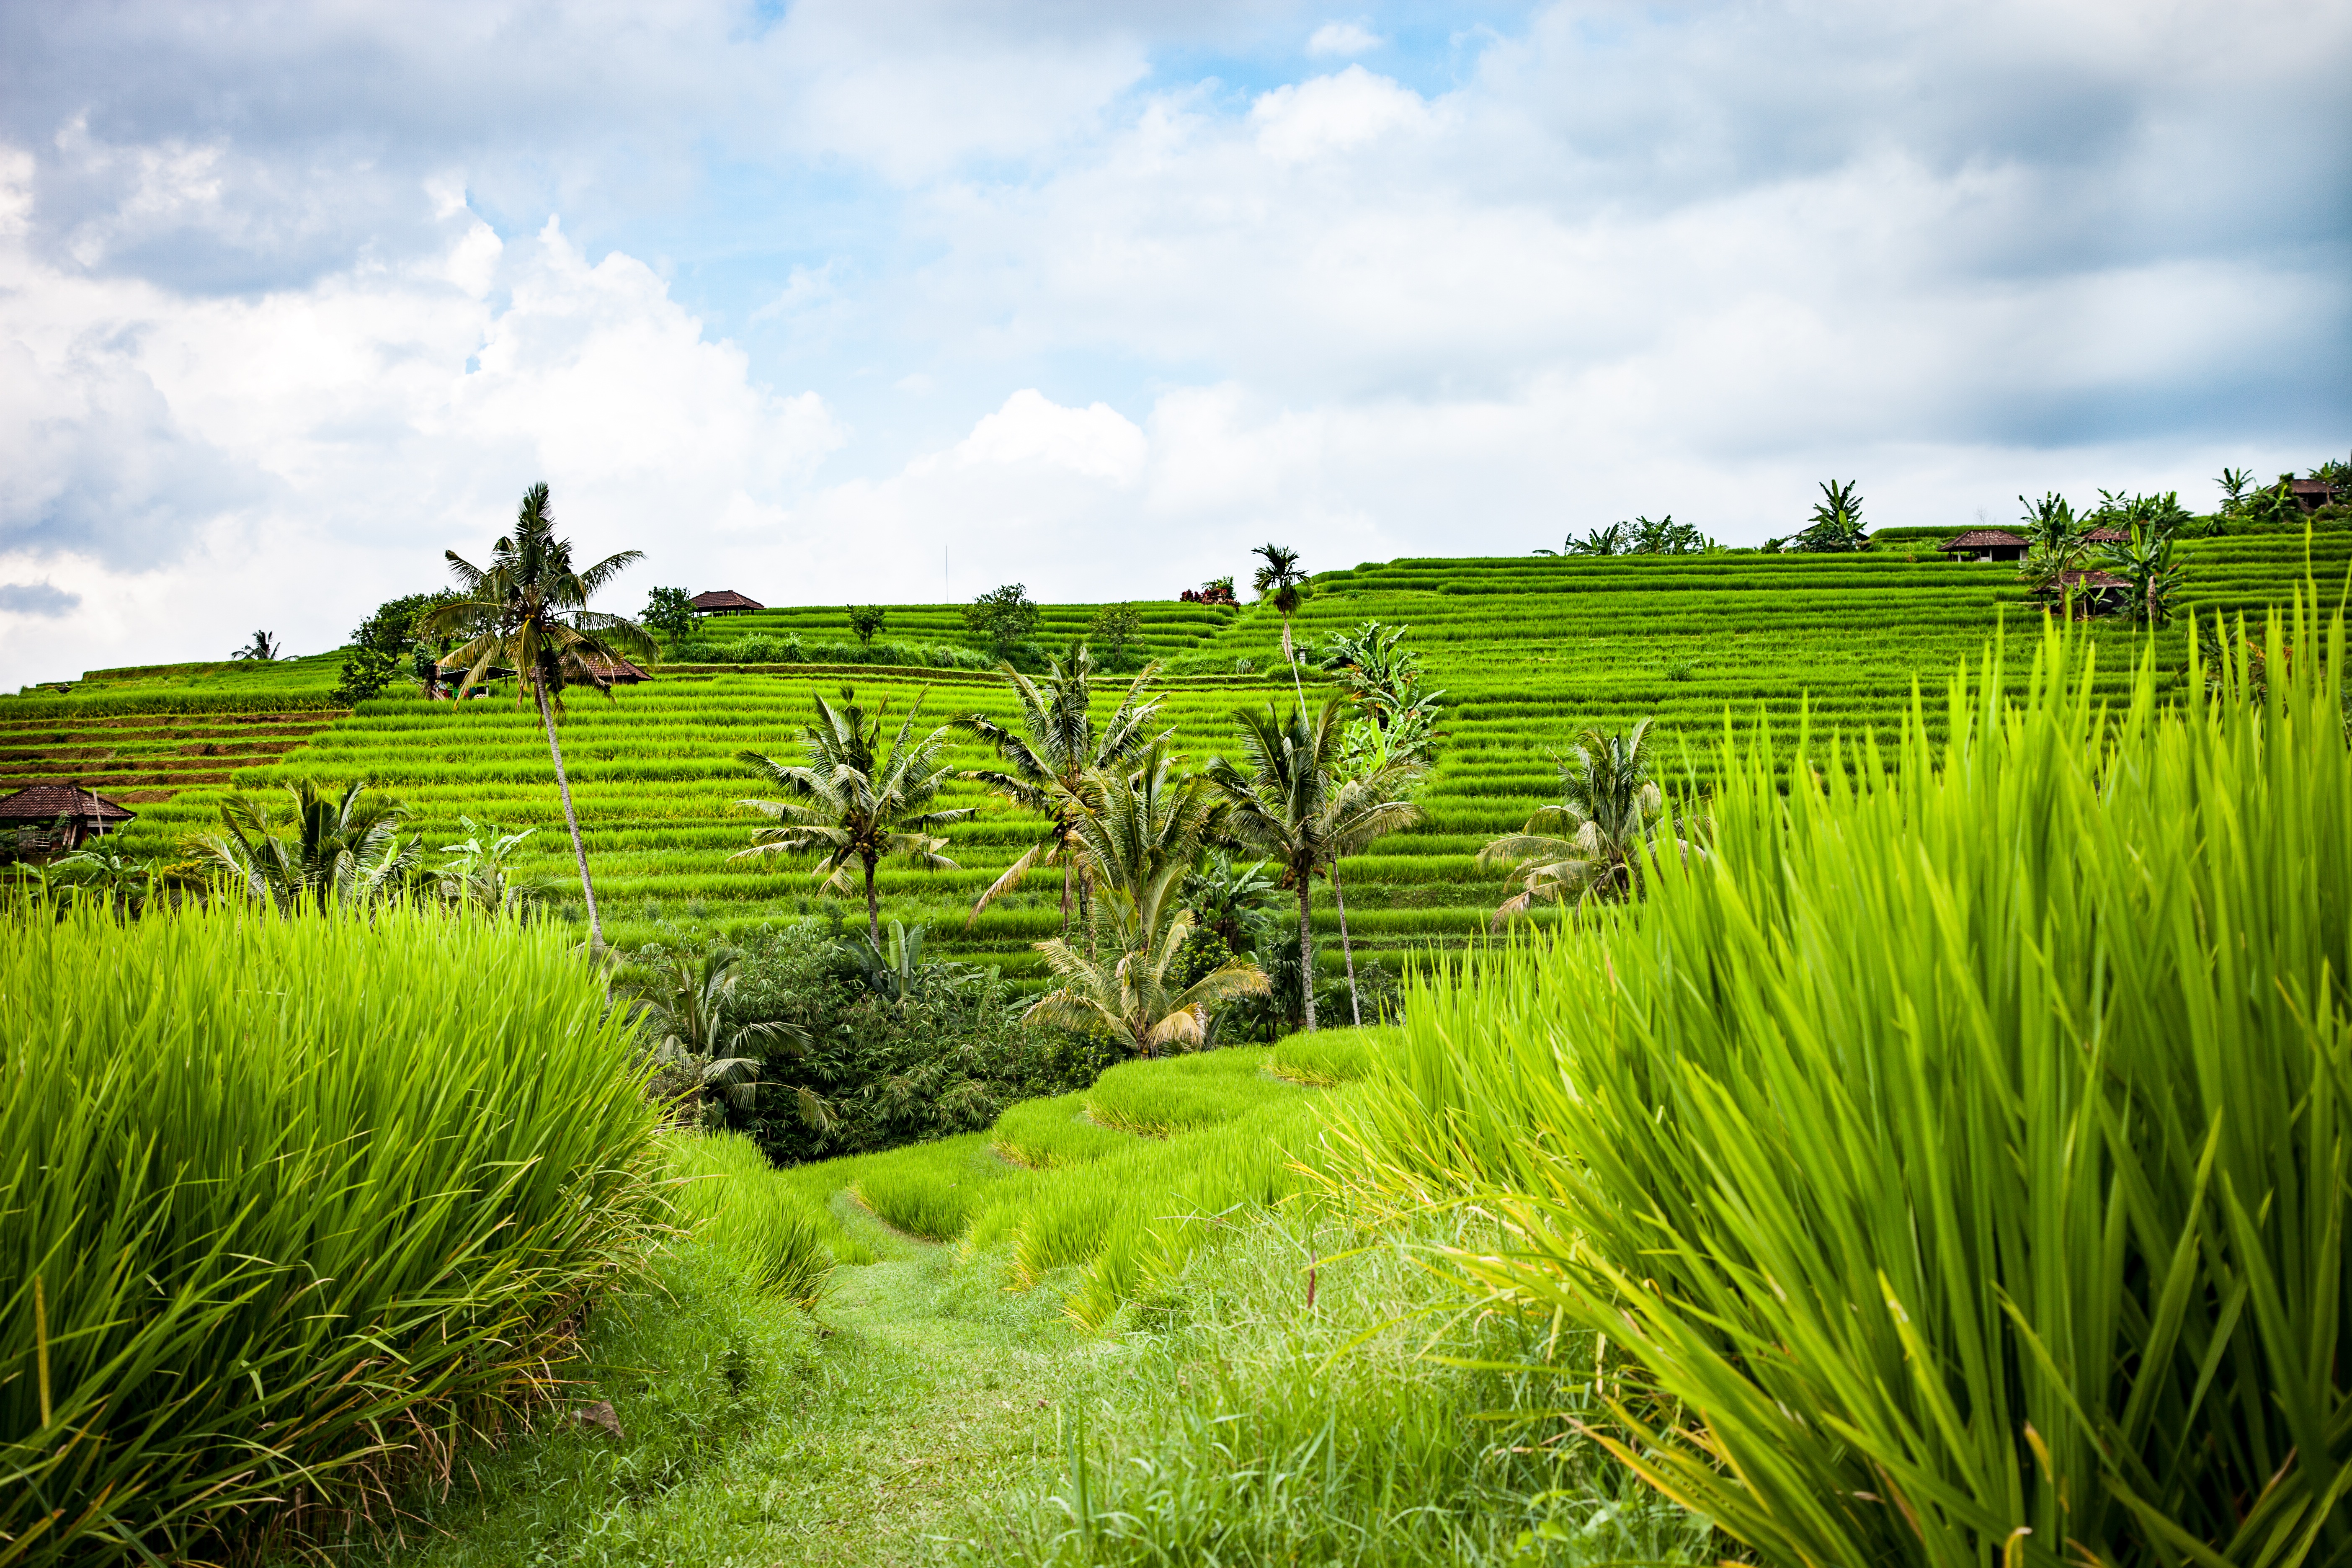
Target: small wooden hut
[2106, 536]
[44, 818]
[724, 602]
[1984, 545]
[2092, 593]
[2311, 494]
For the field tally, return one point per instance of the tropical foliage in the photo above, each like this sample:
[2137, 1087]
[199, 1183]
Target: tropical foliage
[1048, 754]
[325, 848]
[1612, 817]
[853, 803]
[1124, 984]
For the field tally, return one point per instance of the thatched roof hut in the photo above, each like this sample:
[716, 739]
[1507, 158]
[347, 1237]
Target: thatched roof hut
[1984, 545]
[724, 602]
[46, 817]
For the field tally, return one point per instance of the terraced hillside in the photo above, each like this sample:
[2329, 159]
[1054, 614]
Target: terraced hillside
[1528, 650]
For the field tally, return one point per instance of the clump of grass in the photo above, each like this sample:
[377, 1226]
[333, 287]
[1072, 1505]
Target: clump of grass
[289, 1205]
[1959, 1155]
[1329, 1057]
[1180, 1094]
[1043, 1133]
[730, 1196]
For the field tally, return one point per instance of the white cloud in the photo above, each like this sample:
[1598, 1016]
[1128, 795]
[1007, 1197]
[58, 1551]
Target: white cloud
[1096, 442]
[189, 467]
[1343, 39]
[1335, 114]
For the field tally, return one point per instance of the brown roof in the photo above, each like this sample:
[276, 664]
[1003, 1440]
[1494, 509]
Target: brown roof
[2091, 580]
[2106, 536]
[2309, 487]
[1984, 539]
[45, 803]
[618, 669]
[724, 599]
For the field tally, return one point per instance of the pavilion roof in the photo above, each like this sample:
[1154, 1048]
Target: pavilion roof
[45, 803]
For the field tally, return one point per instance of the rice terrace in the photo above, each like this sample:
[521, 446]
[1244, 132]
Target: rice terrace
[1482, 785]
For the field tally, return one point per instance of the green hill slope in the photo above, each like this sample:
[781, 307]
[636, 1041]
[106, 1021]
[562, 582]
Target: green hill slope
[1528, 650]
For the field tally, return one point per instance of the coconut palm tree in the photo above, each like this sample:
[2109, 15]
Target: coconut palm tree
[263, 649]
[1590, 844]
[326, 849]
[1127, 990]
[1144, 829]
[1288, 799]
[1049, 752]
[1281, 584]
[529, 613]
[853, 803]
[684, 1003]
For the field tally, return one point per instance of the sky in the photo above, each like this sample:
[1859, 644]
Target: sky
[850, 300]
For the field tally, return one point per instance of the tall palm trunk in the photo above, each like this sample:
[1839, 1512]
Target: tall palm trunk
[873, 908]
[1291, 659]
[1355, 1003]
[1306, 949]
[571, 817]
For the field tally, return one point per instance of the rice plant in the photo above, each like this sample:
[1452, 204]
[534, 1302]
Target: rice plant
[289, 1206]
[1958, 1161]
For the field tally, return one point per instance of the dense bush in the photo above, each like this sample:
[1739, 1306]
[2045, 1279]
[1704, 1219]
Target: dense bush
[289, 1204]
[1959, 1162]
[869, 1070]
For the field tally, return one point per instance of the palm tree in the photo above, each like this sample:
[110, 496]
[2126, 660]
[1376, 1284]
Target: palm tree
[685, 1001]
[529, 613]
[1128, 991]
[1281, 584]
[334, 849]
[854, 804]
[1143, 831]
[1589, 846]
[263, 649]
[1049, 755]
[1291, 803]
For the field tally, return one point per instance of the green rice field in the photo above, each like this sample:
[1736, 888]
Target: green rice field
[1527, 650]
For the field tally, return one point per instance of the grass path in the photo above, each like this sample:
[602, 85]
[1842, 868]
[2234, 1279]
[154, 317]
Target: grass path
[878, 1432]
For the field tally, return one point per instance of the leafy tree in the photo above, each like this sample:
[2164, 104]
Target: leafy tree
[683, 1002]
[854, 804]
[1836, 523]
[865, 621]
[1590, 844]
[1048, 753]
[1381, 674]
[1287, 798]
[529, 613]
[1117, 626]
[670, 612]
[1124, 984]
[262, 649]
[385, 645]
[326, 849]
[1003, 615]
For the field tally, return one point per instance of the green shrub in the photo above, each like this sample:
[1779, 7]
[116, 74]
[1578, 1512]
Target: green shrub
[730, 1196]
[287, 1203]
[1958, 1161]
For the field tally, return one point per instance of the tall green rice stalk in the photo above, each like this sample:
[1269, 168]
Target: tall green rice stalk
[1956, 1159]
[289, 1207]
